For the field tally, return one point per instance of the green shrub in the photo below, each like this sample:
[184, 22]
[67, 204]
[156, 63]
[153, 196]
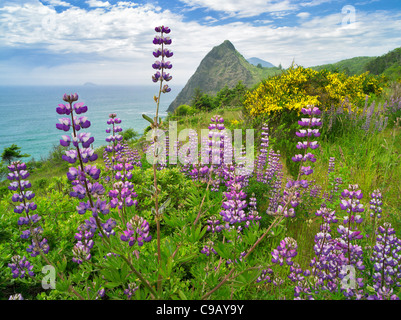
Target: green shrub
[184, 110]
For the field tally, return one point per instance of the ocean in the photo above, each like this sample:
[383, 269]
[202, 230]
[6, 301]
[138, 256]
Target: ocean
[29, 114]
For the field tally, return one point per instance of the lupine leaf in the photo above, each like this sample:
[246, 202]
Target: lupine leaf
[147, 118]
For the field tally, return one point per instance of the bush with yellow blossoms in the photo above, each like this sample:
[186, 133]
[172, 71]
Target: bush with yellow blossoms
[298, 86]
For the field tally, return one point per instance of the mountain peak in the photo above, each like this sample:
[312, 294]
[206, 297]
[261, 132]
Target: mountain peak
[228, 44]
[222, 66]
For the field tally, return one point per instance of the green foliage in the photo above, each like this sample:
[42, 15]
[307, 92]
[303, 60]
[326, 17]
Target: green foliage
[203, 102]
[225, 97]
[353, 66]
[12, 153]
[130, 134]
[184, 110]
[379, 65]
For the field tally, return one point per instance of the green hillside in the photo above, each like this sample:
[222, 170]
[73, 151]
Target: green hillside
[351, 66]
[388, 65]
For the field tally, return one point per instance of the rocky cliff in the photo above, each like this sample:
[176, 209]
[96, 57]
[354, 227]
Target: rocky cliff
[223, 65]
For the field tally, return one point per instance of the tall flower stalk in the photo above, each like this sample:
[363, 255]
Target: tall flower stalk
[21, 266]
[84, 177]
[160, 76]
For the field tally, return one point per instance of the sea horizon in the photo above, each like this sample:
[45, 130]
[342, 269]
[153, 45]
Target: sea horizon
[29, 112]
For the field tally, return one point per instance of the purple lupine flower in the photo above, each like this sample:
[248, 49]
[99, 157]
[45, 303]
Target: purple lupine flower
[376, 203]
[81, 251]
[165, 29]
[213, 224]
[166, 89]
[63, 109]
[20, 267]
[70, 97]
[306, 170]
[167, 53]
[121, 195]
[331, 164]
[386, 260]
[253, 215]
[38, 246]
[286, 250]
[265, 276]
[76, 123]
[350, 199]
[19, 172]
[79, 108]
[208, 249]
[132, 287]
[349, 251]
[233, 208]
[274, 170]
[70, 156]
[162, 65]
[307, 156]
[215, 150]
[166, 76]
[137, 232]
[100, 206]
[64, 125]
[262, 157]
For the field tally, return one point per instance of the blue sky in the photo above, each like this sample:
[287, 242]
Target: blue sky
[110, 42]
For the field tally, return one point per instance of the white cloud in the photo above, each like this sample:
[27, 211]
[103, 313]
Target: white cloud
[314, 3]
[97, 3]
[303, 15]
[210, 19]
[58, 3]
[264, 21]
[241, 8]
[120, 41]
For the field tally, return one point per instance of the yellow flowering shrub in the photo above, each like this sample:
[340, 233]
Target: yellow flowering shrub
[298, 86]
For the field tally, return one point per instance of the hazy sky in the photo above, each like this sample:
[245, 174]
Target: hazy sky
[110, 42]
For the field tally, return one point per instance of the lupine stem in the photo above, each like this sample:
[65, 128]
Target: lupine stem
[139, 275]
[203, 200]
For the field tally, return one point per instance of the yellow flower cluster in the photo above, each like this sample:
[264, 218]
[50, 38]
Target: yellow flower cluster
[298, 86]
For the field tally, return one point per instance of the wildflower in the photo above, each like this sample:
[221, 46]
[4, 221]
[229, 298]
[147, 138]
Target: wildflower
[376, 203]
[386, 261]
[132, 287]
[163, 52]
[207, 249]
[20, 267]
[137, 232]
[18, 173]
[286, 250]
[264, 144]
